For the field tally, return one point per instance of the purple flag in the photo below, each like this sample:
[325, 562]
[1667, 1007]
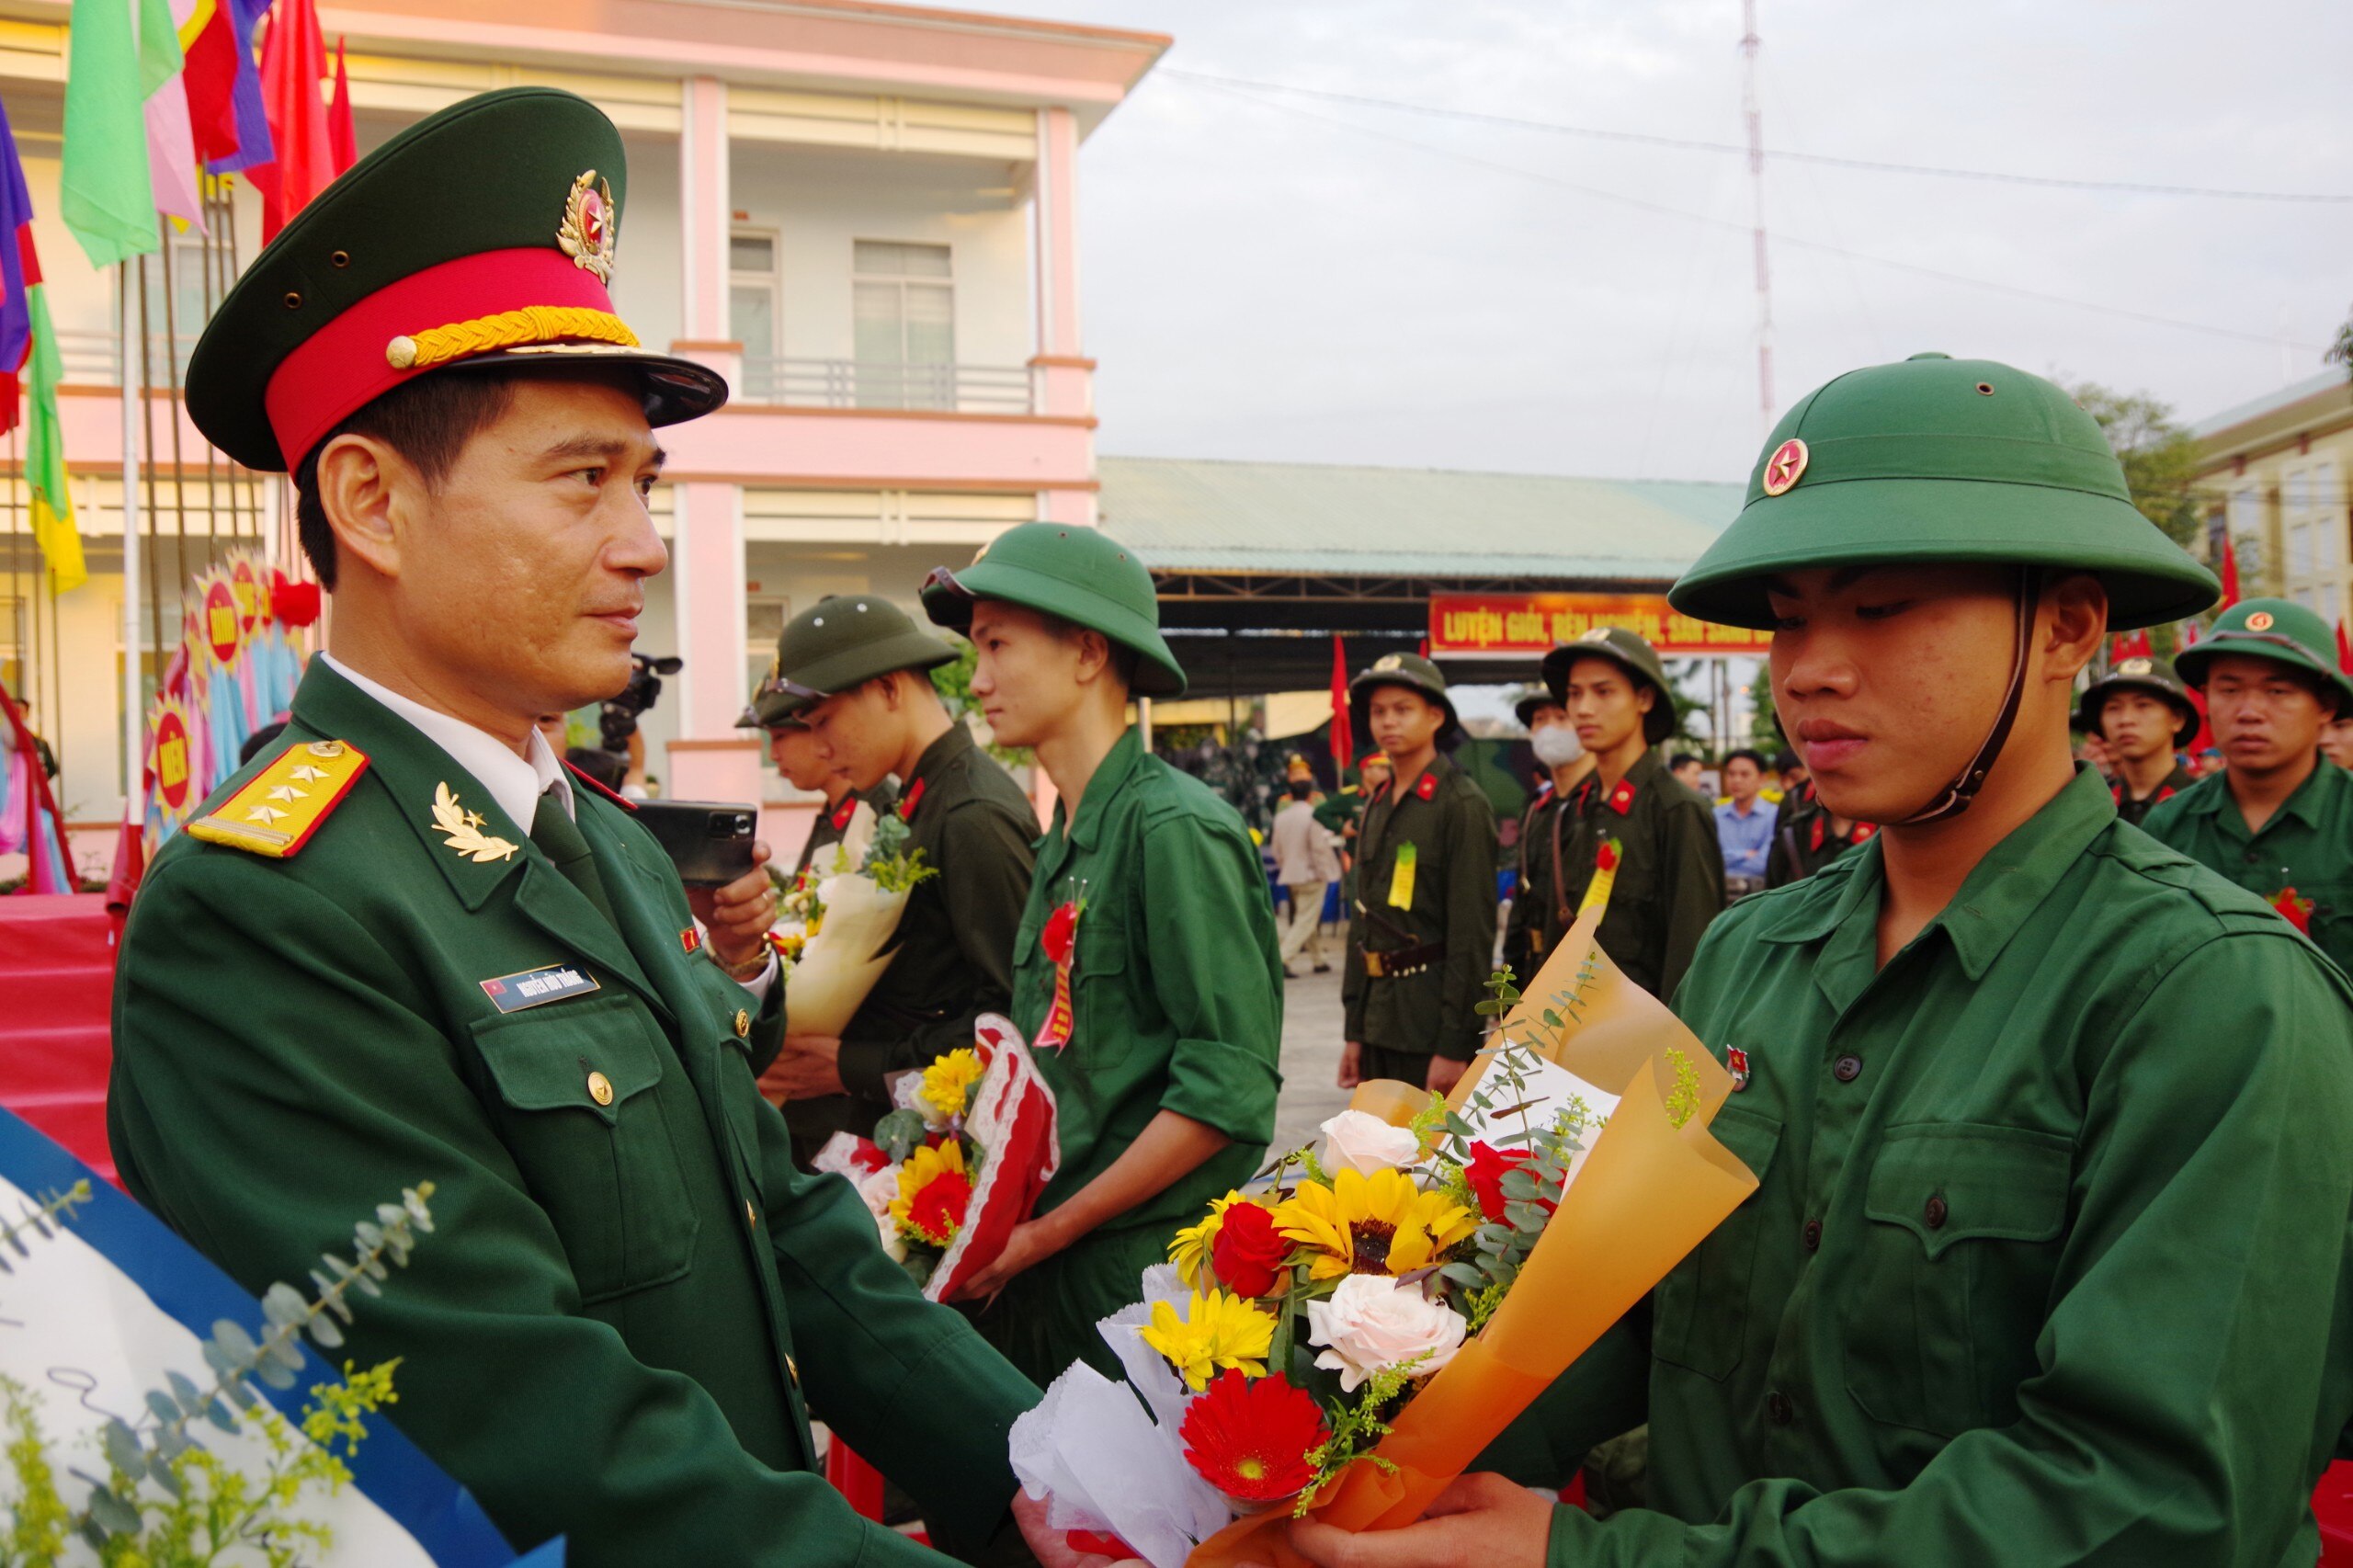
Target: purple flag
[253, 125]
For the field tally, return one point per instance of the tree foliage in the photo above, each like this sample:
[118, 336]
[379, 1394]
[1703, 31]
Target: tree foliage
[2159, 455]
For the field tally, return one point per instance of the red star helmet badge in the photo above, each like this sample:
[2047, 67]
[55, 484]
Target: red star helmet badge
[2259, 621]
[1622, 799]
[1427, 788]
[1737, 1059]
[1786, 467]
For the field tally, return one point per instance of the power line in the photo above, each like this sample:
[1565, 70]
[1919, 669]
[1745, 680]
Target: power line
[1639, 204]
[1595, 133]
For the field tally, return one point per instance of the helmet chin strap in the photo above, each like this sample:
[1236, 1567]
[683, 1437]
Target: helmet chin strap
[1955, 798]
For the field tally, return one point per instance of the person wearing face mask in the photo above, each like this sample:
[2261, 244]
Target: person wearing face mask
[1538, 914]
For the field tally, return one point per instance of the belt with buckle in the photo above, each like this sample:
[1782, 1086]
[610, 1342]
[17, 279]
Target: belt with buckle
[1403, 962]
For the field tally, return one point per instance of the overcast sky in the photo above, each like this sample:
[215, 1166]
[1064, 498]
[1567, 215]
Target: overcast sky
[1285, 278]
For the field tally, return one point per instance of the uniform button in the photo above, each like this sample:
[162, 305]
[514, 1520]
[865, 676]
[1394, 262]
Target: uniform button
[2248, 857]
[600, 1088]
[1813, 1235]
[1778, 1410]
[743, 1023]
[1847, 1069]
[1935, 1213]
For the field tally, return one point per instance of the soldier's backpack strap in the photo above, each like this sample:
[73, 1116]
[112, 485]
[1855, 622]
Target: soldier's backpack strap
[282, 805]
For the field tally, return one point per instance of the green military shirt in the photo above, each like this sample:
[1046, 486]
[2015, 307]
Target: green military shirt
[1430, 926]
[2049, 1261]
[1177, 1006]
[2137, 812]
[630, 1293]
[1670, 874]
[1536, 921]
[955, 939]
[1805, 840]
[2307, 845]
[833, 822]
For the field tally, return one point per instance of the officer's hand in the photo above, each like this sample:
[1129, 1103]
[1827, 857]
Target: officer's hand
[808, 1066]
[1444, 1073]
[1481, 1521]
[738, 915]
[1052, 1546]
[1351, 1064]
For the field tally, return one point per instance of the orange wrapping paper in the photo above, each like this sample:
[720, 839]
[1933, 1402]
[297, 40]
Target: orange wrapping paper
[1649, 1192]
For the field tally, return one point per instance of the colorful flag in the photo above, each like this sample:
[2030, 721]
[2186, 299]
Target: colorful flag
[19, 269]
[209, 80]
[293, 61]
[2344, 650]
[171, 137]
[29, 351]
[244, 93]
[343, 137]
[106, 196]
[1344, 739]
[2229, 573]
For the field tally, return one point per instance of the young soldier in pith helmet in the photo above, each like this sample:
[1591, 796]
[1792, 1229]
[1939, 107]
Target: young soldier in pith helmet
[2144, 713]
[406, 945]
[1422, 927]
[1670, 862]
[1547, 835]
[1144, 974]
[2275, 820]
[776, 712]
[862, 669]
[2046, 1263]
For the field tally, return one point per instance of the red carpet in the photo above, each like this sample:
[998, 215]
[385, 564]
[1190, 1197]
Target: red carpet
[57, 976]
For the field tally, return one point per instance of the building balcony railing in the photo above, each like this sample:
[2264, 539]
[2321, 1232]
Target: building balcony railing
[89, 358]
[884, 386]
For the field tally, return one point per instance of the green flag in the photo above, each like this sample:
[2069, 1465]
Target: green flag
[53, 527]
[106, 196]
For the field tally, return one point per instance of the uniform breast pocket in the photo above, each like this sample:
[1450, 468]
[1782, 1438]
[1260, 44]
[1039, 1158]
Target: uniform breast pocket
[1701, 1321]
[1963, 1227]
[1103, 1030]
[581, 1087]
[2332, 918]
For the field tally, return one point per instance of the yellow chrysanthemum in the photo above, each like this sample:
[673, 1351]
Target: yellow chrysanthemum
[1380, 1223]
[1218, 1333]
[1190, 1251]
[948, 1082]
[944, 1212]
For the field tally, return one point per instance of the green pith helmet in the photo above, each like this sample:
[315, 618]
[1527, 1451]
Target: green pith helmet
[1078, 573]
[1525, 709]
[772, 706]
[1628, 652]
[2276, 630]
[482, 236]
[839, 642]
[1412, 671]
[2140, 673]
[1944, 460]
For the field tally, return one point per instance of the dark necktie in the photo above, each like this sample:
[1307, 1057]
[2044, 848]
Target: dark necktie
[559, 839]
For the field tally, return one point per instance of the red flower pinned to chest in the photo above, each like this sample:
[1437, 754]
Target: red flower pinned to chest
[2297, 911]
[1606, 857]
[1059, 941]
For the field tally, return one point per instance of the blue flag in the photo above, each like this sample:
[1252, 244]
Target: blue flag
[16, 306]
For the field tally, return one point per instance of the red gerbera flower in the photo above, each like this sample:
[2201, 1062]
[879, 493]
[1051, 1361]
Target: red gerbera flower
[1250, 1438]
[2297, 911]
[937, 1211]
[1061, 933]
[1248, 1254]
[1485, 1173]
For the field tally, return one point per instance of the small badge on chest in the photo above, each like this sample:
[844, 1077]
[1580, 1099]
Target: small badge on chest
[1737, 1059]
[534, 987]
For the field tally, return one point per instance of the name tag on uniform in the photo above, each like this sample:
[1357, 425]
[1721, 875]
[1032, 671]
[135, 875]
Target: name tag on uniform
[1401, 878]
[513, 993]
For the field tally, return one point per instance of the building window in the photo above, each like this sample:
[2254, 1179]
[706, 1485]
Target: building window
[2296, 490]
[752, 309]
[2299, 549]
[904, 328]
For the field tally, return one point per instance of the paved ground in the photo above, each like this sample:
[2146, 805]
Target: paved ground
[1311, 1051]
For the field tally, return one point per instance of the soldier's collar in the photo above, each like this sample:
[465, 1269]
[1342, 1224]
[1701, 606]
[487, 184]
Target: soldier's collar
[2018, 873]
[2310, 805]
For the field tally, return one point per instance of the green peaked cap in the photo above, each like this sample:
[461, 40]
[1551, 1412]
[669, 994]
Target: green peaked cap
[1081, 575]
[2278, 630]
[1938, 459]
[1628, 652]
[2140, 673]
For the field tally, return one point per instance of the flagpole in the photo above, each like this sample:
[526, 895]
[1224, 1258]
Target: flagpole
[133, 685]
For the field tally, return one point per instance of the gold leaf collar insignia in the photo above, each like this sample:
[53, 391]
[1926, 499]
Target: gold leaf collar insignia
[465, 828]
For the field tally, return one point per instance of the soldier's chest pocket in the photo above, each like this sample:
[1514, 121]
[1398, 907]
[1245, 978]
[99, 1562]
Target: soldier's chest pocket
[1700, 1320]
[580, 1107]
[1952, 1277]
[1105, 1026]
[2332, 918]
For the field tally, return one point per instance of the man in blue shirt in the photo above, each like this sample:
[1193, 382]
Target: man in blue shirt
[1743, 826]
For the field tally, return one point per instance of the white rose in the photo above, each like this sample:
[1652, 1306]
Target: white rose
[1372, 1324]
[880, 1191]
[1366, 1143]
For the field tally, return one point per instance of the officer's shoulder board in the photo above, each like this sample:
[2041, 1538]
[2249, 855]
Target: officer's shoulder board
[282, 805]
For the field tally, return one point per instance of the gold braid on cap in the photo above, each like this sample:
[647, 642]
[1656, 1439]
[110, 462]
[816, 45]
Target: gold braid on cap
[531, 325]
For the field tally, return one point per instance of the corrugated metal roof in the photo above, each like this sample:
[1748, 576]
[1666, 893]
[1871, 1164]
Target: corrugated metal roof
[1182, 514]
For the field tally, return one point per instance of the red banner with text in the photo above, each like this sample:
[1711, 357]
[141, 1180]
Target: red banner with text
[1494, 625]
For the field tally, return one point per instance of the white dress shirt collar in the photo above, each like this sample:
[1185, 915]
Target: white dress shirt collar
[515, 782]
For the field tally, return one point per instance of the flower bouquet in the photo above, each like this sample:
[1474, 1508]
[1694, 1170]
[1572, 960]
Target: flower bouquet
[951, 1173]
[837, 917]
[1346, 1340]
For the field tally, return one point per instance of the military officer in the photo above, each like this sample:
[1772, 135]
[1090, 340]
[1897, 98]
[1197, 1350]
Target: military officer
[858, 667]
[407, 946]
[1671, 864]
[2274, 819]
[1422, 926]
[1538, 916]
[2048, 1262]
[2144, 713]
[1145, 969]
[1810, 835]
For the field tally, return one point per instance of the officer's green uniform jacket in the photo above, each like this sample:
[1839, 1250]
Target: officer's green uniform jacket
[955, 941]
[833, 822]
[1535, 923]
[1806, 838]
[1445, 925]
[609, 1331]
[2307, 845]
[1670, 874]
[2049, 1264]
[1177, 1001]
[2137, 812]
